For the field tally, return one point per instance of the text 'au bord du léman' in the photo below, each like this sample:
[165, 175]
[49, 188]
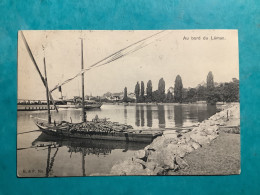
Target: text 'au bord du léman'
[205, 38]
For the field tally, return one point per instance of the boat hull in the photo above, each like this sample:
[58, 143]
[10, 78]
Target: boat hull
[87, 107]
[116, 136]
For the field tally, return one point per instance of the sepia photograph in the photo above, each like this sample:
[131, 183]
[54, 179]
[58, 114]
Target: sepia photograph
[127, 102]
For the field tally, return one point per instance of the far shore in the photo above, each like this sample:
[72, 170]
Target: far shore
[165, 103]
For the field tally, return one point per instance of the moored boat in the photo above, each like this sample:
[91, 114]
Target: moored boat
[88, 105]
[97, 129]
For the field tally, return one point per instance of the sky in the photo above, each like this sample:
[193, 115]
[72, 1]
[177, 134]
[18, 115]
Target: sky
[174, 52]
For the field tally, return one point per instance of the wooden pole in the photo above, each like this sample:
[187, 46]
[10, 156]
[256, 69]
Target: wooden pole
[47, 92]
[48, 161]
[83, 162]
[82, 79]
[37, 68]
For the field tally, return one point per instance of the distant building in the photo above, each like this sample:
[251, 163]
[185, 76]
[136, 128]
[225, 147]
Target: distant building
[171, 90]
[113, 96]
[131, 95]
[117, 96]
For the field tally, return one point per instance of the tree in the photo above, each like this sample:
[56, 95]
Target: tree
[149, 91]
[211, 98]
[125, 99]
[141, 99]
[178, 89]
[210, 81]
[219, 93]
[191, 95]
[169, 97]
[161, 90]
[156, 96]
[137, 91]
[231, 91]
[184, 95]
[201, 93]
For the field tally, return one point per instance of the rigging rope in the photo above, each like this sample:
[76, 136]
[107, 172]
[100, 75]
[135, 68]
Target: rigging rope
[117, 55]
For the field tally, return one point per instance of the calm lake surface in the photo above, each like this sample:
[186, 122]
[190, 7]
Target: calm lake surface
[82, 157]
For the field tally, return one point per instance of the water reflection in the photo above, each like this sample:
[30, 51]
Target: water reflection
[142, 115]
[178, 115]
[149, 116]
[85, 147]
[211, 109]
[161, 116]
[193, 113]
[50, 161]
[137, 116]
[125, 114]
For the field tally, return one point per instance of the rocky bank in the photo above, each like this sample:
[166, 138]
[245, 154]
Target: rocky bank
[166, 153]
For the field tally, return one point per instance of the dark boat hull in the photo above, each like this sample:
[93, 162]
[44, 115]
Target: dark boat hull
[116, 136]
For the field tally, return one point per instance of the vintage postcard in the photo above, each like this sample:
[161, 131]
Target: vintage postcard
[140, 102]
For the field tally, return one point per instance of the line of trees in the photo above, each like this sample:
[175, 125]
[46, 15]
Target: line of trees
[211, 93]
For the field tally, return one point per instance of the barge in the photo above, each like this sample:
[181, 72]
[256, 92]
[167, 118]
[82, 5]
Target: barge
[96, 130]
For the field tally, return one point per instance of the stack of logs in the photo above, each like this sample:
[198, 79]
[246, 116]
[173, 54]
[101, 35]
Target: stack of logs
[99, 125]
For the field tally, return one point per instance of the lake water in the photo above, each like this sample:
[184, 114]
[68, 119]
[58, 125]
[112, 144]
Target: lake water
[82, 157]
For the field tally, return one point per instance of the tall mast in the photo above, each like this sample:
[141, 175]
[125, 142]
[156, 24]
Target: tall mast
[82, 79]
[47, 92]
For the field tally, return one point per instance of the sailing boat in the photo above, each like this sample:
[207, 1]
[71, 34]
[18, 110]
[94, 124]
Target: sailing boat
[76, 103]
[101, 129]
[72, 104]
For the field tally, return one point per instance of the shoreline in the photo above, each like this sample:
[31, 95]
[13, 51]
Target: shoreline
[165, 103]
[177, 154]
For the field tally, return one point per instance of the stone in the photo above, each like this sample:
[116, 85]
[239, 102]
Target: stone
[212, 136]
[170, 141]
[203, 133]
[163, 158]
[137, 160]
[187, 148]
[156, 144]
[128, 167]
[149, 172]
[187, 138]
[211, 122]
[211, 129]
[170, 136]
[177, 150]
[156, 157]
[151, 165]
[169, 162]
[194, 145]
[182, 152]
[159, 171]
[222, 123]
[195, 130]
[140, 154]
[200, 139]
[182, 141]
[181, 163]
